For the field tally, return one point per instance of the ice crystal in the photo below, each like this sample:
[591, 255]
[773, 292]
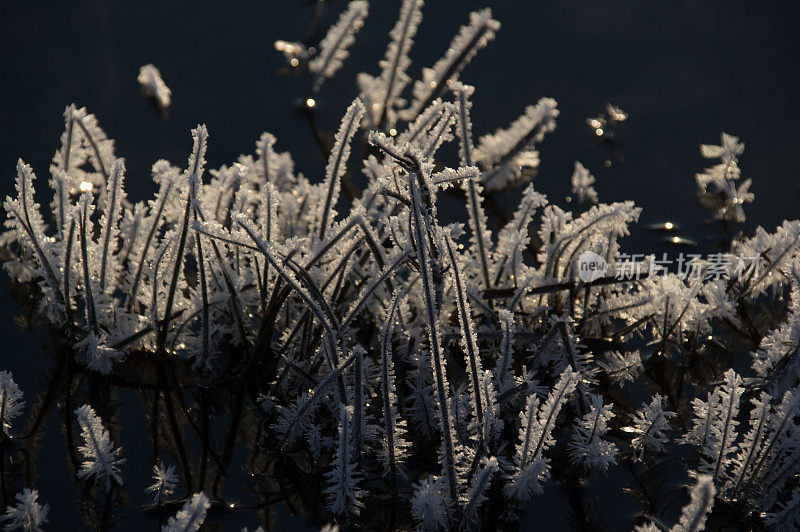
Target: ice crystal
[165, 481]
[101, 459]
[582, 182]
[650, 425]
[28, 514]
[382, 94]
[150, 80]
[535, 436]
[428, 504]
[470, 38]
[693, 515]
[717, 185]
[11, 402]
[191, 516]
[588, 448]
[333, 49]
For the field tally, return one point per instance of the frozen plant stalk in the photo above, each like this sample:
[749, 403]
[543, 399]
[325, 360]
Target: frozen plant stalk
[191, 517]
[101, 459]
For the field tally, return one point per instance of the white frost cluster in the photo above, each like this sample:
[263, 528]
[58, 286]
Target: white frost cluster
[349, 313]
[191, 516]
[100, 459]
[333, 49]
[717, 184]
[165, 481]
[154, 86]
[582, 182]
[11, 402]
[28, 515]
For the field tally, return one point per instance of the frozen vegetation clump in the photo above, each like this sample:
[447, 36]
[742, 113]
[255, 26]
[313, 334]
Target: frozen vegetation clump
[372, 367]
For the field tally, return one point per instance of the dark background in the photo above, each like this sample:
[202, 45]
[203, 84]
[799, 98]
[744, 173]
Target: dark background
[683, 70]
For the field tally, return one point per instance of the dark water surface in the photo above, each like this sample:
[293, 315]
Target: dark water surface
[683, 70]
